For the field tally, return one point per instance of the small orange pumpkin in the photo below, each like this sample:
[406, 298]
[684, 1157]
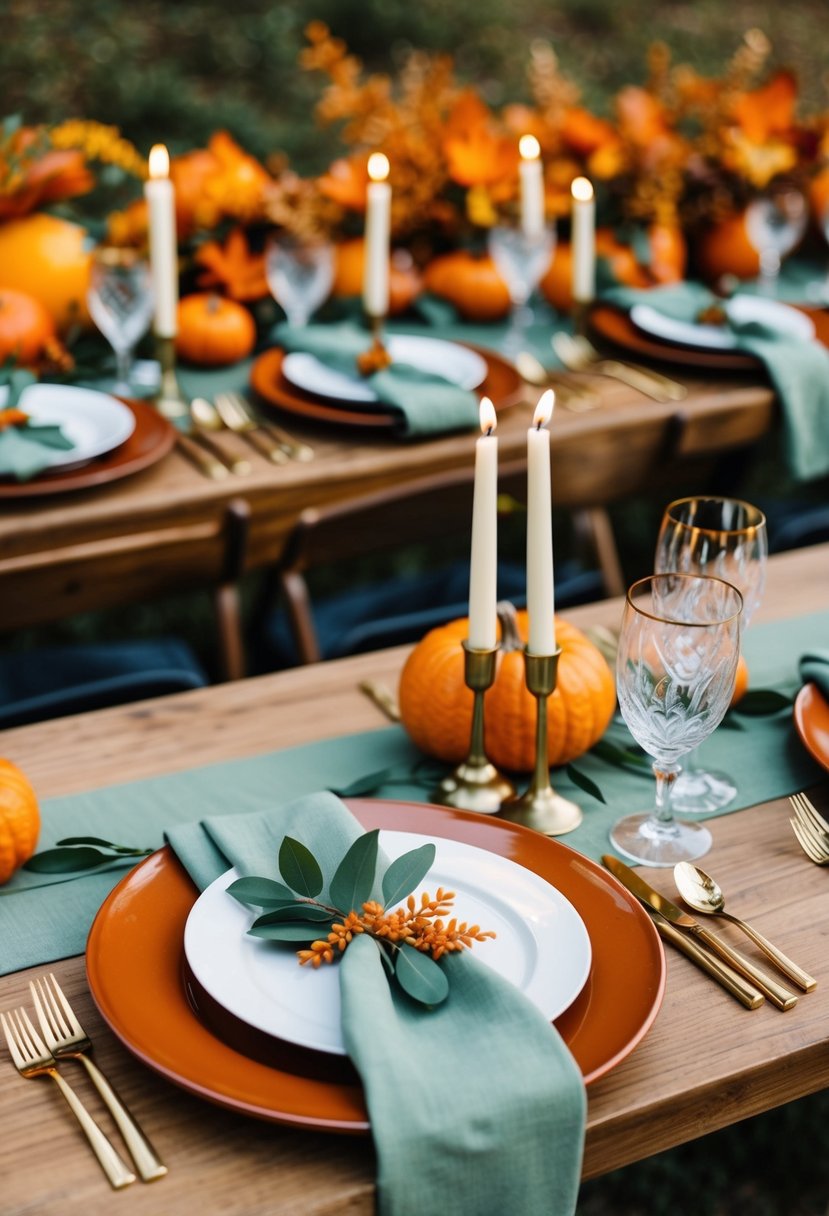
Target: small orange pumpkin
[25, 327]
[436, 705]
[405, 284]
[724, 248]
[47, 257]
[213, 331]
[668, 256]
[740, 681]
[472, 283]
[19, 819]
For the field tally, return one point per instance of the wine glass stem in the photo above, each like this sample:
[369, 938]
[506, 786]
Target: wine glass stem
[666, 775]
[123, 362]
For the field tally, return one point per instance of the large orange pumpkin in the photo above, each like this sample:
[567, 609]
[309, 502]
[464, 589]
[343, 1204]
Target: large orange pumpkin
[25, 328]
[436, 705]
[47, 258]
[213, 331]
[668, 257]
[405, 283]
[19, 819]
[724, 249]
[470, 282]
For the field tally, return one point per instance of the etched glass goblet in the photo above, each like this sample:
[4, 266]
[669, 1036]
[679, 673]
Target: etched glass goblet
[725, 537]
[120, 302]
[675, 667]
[521, 259]
[300, 275]
[774, 224]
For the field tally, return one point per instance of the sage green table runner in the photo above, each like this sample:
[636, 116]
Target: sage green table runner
[42, 920]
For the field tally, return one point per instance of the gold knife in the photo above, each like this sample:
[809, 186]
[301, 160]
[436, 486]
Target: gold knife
[740, 988]
[776, 993]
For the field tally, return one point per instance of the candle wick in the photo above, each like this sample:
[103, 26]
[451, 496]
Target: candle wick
[489, 430]
[539, 425]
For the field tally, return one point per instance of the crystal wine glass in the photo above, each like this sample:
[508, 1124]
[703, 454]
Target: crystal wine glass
[725, 537]
[300, 275]
[521, 259]
[774, 223]
[120, 302]
[675, 667]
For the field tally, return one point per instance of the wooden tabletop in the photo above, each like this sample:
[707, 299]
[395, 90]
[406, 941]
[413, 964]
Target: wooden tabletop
[704, 1064]
[163, 528]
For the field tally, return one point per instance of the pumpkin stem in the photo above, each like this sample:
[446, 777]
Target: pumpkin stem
[214, 303]
[508, 620]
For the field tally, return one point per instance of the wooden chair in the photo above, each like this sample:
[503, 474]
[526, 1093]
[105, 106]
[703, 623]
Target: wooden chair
[425, 511]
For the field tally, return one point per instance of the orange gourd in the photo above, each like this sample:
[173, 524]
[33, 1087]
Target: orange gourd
[471, 283]
[25, 328]
[668, 257]
[213, 331]
[740, 681]
[19, 819]
[48, 258]
[724, 249]
[404, 278]
[436, 705]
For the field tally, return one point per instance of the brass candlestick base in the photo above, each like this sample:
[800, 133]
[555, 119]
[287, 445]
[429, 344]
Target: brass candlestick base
[171, 401]
[580, 311]
[540, 808]
[476, 785]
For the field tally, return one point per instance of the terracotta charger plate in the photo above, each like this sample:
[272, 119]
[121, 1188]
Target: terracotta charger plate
[152, 439]
[135, 952]
[811, 718]
[613, 325]
[502, 384]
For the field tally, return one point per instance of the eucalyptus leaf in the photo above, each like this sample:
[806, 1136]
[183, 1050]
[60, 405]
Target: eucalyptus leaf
[621, 757]
[760, 701]
[299, 867]
[295, 911]
[369, 784]
[404, 874]
[287, 931]
[584, 783]
[261, 892]
[386, 960]
[353, 880]
[64, 861]
[420, 976]
[128, 849]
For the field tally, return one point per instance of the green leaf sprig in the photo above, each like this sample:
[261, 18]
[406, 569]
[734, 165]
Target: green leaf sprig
[411, 939]
[77, 854]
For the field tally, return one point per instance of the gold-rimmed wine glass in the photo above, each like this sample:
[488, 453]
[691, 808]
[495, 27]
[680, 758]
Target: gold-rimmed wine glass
[675, 666]
[725, 537]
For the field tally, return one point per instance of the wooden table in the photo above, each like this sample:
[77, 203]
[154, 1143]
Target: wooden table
[163, 529]
[704, 1064]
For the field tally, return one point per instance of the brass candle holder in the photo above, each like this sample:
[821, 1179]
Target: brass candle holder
[540, 807]
[377, 357]
[476, 785]
[171, 401]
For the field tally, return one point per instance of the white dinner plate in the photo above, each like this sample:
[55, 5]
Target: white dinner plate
[741, 309]
[542, 945]
[455, 363]
[93, 422]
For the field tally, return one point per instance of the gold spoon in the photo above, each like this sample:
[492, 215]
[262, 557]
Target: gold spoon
[703, 894]
[205, 418]
[533, 371]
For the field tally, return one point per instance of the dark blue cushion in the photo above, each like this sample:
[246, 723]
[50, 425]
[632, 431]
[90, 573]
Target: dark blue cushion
[403, 609]
[55, 681]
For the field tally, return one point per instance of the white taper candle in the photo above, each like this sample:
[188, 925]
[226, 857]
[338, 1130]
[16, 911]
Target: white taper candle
[540, 590]
[483, 570]
[378, 226]
[583, 241]
[161, 204]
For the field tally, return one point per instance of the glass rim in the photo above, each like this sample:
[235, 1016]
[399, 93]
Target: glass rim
[756, 516]
[666, 620]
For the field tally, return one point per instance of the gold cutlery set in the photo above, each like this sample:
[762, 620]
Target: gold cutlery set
[811, 829]
[737, 973]
[579, 357]
[63, 1037]
[197, 433]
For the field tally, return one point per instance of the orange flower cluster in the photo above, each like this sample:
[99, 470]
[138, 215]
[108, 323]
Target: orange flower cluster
[33, 173]
[418, 925]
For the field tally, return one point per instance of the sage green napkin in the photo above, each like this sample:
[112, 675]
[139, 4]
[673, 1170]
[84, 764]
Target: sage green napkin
[798, 370]
[25, 448]
[424, 403]
[476, 1105]
[814, 669]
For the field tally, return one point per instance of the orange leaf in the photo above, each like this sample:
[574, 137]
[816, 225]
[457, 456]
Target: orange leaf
[768, 110]
[346, 181]
[233, 267]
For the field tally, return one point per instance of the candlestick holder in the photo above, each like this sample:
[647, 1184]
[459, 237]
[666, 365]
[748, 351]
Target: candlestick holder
[580, 310]
[171, 401]
[377, 357]
[540, 807]
[476, 785]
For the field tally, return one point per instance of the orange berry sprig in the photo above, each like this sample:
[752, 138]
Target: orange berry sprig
[421, 927]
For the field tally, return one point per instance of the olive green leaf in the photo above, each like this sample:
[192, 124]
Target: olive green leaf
[584, 783]
[420, 976]
[353, 879]
[299, 867]
[261, 892]
[404, 874]
[287, 931]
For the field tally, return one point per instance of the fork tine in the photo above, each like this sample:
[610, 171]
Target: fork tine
[811, 812]
[57, 997]
[819, 841]
[806, 844]
[11, 1041]
[50, 1025]
[37, 1045]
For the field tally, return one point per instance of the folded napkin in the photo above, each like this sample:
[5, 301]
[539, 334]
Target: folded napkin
[25, 447]
[475, 1105]
[425, 404]
[798, 369]
[814, 669]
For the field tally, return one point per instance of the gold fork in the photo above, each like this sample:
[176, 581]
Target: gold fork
[579, 355]
[806, 826]
[238, 415]
[66, 1037]
[31, 1058]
